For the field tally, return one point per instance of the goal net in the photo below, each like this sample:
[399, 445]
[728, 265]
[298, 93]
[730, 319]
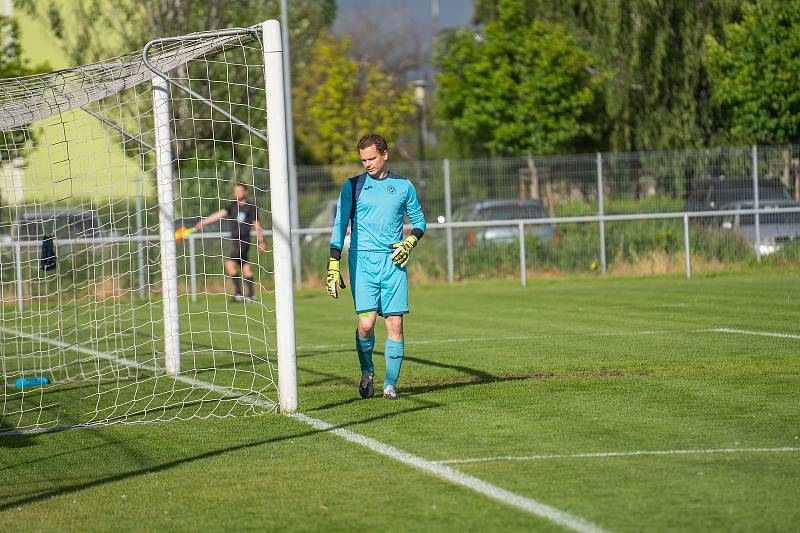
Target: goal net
[107, 317]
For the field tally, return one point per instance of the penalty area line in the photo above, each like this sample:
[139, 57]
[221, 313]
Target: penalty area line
[451, 475]
[750, 332]
[636, 453]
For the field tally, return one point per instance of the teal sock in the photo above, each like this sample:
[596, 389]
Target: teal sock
[394, 360]
[364, 348]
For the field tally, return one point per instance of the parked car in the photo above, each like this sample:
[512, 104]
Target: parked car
[509, 209]
[64, 223]
[726, 194]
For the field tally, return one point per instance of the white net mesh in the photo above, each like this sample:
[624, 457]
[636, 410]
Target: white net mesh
[78, 166]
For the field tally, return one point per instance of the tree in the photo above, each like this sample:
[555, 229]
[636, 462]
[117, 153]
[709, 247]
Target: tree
[754, 73]
[517, 87]
[651, 54]
[92, 30]
[340, 99]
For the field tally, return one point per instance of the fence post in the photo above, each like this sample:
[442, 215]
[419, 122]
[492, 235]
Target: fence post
[20, 283]
[686, 252]
[754, 159]
[522, 267]
[192, 269]
[601, 212]
[448, 214]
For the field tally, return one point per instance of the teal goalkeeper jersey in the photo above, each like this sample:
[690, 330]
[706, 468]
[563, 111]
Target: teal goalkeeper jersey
[377, 220]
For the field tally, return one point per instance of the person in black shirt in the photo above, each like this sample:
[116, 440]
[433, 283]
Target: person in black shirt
[243, 218]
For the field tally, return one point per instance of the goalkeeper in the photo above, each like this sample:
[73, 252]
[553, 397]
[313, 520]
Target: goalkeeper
[374, 203]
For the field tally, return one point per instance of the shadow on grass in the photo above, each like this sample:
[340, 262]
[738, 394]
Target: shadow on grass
[469, 377]
[476, 377]
[115, 443]
[15, 440]
[155, 468]
[325, 378]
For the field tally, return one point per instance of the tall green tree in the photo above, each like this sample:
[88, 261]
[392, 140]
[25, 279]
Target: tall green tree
[519, 86]
[90, 30]
[652, 57]
[755, 73]
[340, 99]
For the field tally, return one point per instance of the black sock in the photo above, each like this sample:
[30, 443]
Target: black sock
[237, 282]
[248, 282]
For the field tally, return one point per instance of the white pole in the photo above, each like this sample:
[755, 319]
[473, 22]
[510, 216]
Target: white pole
[601, 212]
[686, 252]
[522, 268]
[754, 157]
[281, 218]
[287, 90]
[448, 213]
[166, 225]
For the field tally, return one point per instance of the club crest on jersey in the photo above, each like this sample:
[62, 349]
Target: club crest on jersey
[390, 189]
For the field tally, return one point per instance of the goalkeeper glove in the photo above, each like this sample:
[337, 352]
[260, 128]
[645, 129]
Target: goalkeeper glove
[334, 279]
[402, 250]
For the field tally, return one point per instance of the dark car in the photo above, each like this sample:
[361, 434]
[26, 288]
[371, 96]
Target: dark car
[486, 210]
[735, 194]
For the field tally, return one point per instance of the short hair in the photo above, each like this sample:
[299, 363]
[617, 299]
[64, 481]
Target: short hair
[242, 185]
[373, 138]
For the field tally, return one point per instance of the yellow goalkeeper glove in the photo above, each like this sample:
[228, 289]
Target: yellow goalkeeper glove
[402, 250]
[334, 279]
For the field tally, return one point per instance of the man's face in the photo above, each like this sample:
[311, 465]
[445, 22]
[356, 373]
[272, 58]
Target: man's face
[373, 160]
[240, 193]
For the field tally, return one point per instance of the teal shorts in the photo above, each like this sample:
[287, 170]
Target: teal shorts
[378, 284]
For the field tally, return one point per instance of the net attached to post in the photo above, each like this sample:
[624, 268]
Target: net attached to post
[82, 277]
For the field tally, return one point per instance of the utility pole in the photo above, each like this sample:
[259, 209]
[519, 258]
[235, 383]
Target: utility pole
[419, 93]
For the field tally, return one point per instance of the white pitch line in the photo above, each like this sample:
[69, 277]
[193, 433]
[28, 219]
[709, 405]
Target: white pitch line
[613, 454]
[451, 475]
[749, 332]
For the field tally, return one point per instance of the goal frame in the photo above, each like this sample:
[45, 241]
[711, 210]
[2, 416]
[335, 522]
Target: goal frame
[276, 140]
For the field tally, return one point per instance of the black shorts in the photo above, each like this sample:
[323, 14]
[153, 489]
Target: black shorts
[239, 252]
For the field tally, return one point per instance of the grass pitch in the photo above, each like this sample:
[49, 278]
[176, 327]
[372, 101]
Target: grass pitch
[558, 392]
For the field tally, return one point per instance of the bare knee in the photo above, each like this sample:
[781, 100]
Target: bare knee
[394, 327]
[366, 324]
[230, 268]
[247, 271]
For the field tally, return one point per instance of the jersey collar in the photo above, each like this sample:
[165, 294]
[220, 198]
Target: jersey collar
[388, 173]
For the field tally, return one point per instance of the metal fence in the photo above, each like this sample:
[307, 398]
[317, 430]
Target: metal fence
[639, 212]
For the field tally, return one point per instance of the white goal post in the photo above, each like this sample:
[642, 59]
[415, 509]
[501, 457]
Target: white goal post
[101, 316]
